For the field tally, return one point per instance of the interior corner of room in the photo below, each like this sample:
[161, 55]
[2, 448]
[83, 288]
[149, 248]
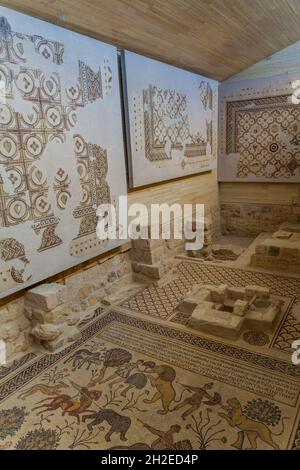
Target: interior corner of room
[145, 344]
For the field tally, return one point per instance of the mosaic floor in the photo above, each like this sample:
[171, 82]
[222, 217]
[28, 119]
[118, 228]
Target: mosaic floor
[139, 378]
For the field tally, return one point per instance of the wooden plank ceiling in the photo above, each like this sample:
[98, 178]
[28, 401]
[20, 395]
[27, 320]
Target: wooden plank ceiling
[217, 38]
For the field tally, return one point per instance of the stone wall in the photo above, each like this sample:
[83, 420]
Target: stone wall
[197, 189]
[247, 209]
[153, 259]
[88, 285]
[85, 288]
[14, 328]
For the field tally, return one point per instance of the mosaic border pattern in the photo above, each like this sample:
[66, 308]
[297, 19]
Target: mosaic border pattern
[47, 360]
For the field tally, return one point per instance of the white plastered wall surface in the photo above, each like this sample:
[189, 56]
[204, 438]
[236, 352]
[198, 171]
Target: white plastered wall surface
[171, 120]
[259, 121]
[61, 148]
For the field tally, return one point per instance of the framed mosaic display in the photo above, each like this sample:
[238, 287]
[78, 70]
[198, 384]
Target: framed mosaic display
[61, 147]
[260, 130]
[171, 120]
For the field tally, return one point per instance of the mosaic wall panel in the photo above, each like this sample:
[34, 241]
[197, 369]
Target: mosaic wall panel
[260, 130]
[61, 147]
[171, 120]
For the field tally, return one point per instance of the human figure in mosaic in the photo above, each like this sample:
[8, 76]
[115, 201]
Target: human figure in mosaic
[195, 400]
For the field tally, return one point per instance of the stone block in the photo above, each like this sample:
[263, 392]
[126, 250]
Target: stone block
[156, 271]
[257, 291]
[218, 294]
[283, 264]
[261, 250]
[4, 315]
[84, 292]
[240, 308]
[112, 276]
[75, 281]
[19, 345]
[73, 321]
[23, 323]
[289, 252]
[16, 308]
[91, 273]
[52, 346]
[93, 300]
[46, 332]
[282, 235]
[73, 334]
[98, 282]
[148, 244]
[9, 332]
[57, 314]
[148, 256]
[215, 323]
[236, 292]
[47, 296]
[188, 305]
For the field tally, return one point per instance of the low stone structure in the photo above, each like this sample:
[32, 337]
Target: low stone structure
[241, 218]
[87, 287]
[14, 328]
[153, 259]
[206, 251]
[227, 311]
[47, 315]
[48, 309]
[281, 251]
[149, 259]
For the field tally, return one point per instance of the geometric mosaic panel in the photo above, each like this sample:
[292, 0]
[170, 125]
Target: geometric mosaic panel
[260, 131]
[171, 120]
[61, 147]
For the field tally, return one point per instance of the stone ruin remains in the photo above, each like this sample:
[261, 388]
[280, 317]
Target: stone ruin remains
[281, 251]
[227, 311]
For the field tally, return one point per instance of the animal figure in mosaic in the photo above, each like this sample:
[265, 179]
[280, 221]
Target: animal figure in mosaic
[70, 405]
[118, 423]
[163, 382]
[131, 375]
[84, 356]
[42, 388]
[122, 372]
[195, 400]
[250, 428]
[165, 439]
[114, 357]
[137, 380]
